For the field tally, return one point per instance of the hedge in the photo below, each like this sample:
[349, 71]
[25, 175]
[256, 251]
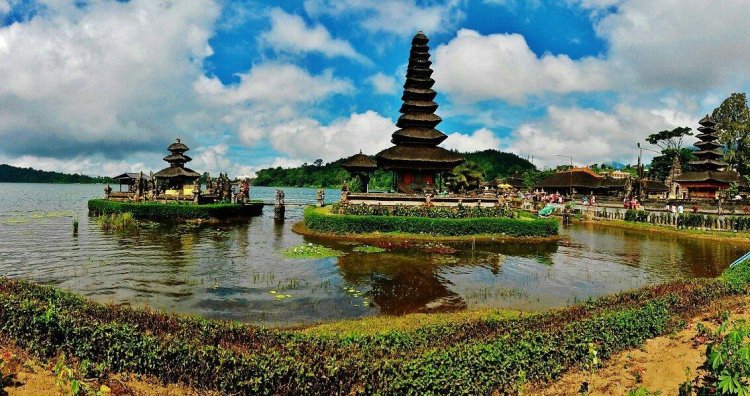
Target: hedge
[175, 211]
[440, 212]
[318, 220]
[475, 357]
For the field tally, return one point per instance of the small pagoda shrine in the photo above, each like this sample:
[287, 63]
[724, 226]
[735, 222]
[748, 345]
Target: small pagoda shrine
[177, 179]
[360, 166]
[415, 159]
[710, 174]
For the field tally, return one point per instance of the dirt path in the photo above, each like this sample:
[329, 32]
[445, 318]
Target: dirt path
[662, 364]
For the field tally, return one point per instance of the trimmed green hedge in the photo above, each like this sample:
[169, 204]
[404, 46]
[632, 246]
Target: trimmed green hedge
[476, 357]
[317, 220]
[174, 211]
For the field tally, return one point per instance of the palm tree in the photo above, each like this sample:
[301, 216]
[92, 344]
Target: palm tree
[466, 176]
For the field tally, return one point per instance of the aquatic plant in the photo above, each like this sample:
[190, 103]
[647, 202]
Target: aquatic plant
[75, 227]
[311, 251]
[118, 222]
[368, 249]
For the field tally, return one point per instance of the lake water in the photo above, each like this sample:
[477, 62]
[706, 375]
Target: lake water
[228, 271]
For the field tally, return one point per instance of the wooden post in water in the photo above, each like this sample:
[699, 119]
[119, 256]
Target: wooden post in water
[278, 208]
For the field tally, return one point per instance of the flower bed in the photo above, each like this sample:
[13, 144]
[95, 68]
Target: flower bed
[435, 212]
[322, 220]
[496, 353]
[175, 211]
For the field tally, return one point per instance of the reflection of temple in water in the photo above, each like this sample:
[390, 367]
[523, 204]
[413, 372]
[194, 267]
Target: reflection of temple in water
[401, 283]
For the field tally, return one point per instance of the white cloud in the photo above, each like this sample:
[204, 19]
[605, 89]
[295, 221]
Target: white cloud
[475, 67]
[683, 44]
[383, 84]
[588, 135]
[481, 139]
[401, 17]
[290, 33]
[4, 6]
[276, 84]
[308, 139]
[111, 77]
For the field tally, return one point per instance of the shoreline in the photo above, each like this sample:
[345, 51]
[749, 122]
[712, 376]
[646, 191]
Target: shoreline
[724, 236]
[301, 229]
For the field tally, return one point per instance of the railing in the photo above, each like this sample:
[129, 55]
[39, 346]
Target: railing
[746, 256]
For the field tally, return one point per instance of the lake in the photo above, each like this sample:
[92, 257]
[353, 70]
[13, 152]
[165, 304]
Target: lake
[230, 271]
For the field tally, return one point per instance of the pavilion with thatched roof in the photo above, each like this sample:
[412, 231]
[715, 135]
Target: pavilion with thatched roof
[360, 166]
[416, 159]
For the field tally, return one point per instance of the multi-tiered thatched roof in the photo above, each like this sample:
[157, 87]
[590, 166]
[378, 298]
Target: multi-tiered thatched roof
[416, 142]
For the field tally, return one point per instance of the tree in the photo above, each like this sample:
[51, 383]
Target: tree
[661, 165]
[669, 140]
[466, 176]
[318, 162]
[733, 117]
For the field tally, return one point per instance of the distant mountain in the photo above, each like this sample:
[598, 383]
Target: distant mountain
[494, 164]
[13, 174]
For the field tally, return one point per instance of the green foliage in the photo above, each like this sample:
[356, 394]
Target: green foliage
[174, 211]
[669, 139]
[492, 164]
[497, 164]
[480, 356]
[691, 220]
[733, 117]
[661, 165]
[118, 222]
[643, 391]
[12, 174]
[311, 251]
[436, 212]
[368, 249]
[320, 221]
[636, 215]
[466, 176]
[727, 364]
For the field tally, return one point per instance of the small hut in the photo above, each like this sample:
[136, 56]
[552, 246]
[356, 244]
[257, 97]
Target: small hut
[177, 180]
[360, 166]
[415, 159]
[130, 179]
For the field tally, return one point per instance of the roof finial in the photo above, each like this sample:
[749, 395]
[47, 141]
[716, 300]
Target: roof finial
[178, 140]
[360, 151]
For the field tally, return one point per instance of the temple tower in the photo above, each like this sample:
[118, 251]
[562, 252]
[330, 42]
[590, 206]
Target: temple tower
[710, 174]
[177, 179]
[415, 159]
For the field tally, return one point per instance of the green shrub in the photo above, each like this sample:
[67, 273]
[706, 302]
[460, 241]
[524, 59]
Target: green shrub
[174, 211]
[317, 220]
[636, 215]
[437, 212]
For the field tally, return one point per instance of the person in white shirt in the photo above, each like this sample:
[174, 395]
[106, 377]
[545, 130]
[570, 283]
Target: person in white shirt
[680, 209]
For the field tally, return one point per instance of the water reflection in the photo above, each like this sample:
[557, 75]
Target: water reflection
[229, 271]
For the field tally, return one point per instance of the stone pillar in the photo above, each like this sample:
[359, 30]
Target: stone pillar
[320, 198]
[107, 192]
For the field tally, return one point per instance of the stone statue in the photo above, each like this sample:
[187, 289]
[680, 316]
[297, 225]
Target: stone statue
[321, 197]
[107, 191]
[344, 194]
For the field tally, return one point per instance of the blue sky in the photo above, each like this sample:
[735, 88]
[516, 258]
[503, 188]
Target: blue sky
[101, 87]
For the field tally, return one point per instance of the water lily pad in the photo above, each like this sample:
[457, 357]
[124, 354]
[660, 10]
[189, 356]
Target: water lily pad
[311, 251]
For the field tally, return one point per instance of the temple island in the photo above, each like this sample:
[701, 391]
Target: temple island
[416, 207]
[176, 192]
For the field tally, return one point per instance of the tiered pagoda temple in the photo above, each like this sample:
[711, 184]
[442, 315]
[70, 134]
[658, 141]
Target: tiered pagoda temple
[177, 179]
[710, 174]
[415, 159]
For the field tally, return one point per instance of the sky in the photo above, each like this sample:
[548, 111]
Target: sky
[103, 87]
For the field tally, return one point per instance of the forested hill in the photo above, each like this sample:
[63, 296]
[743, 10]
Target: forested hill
[493, 163]
[12, 174]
